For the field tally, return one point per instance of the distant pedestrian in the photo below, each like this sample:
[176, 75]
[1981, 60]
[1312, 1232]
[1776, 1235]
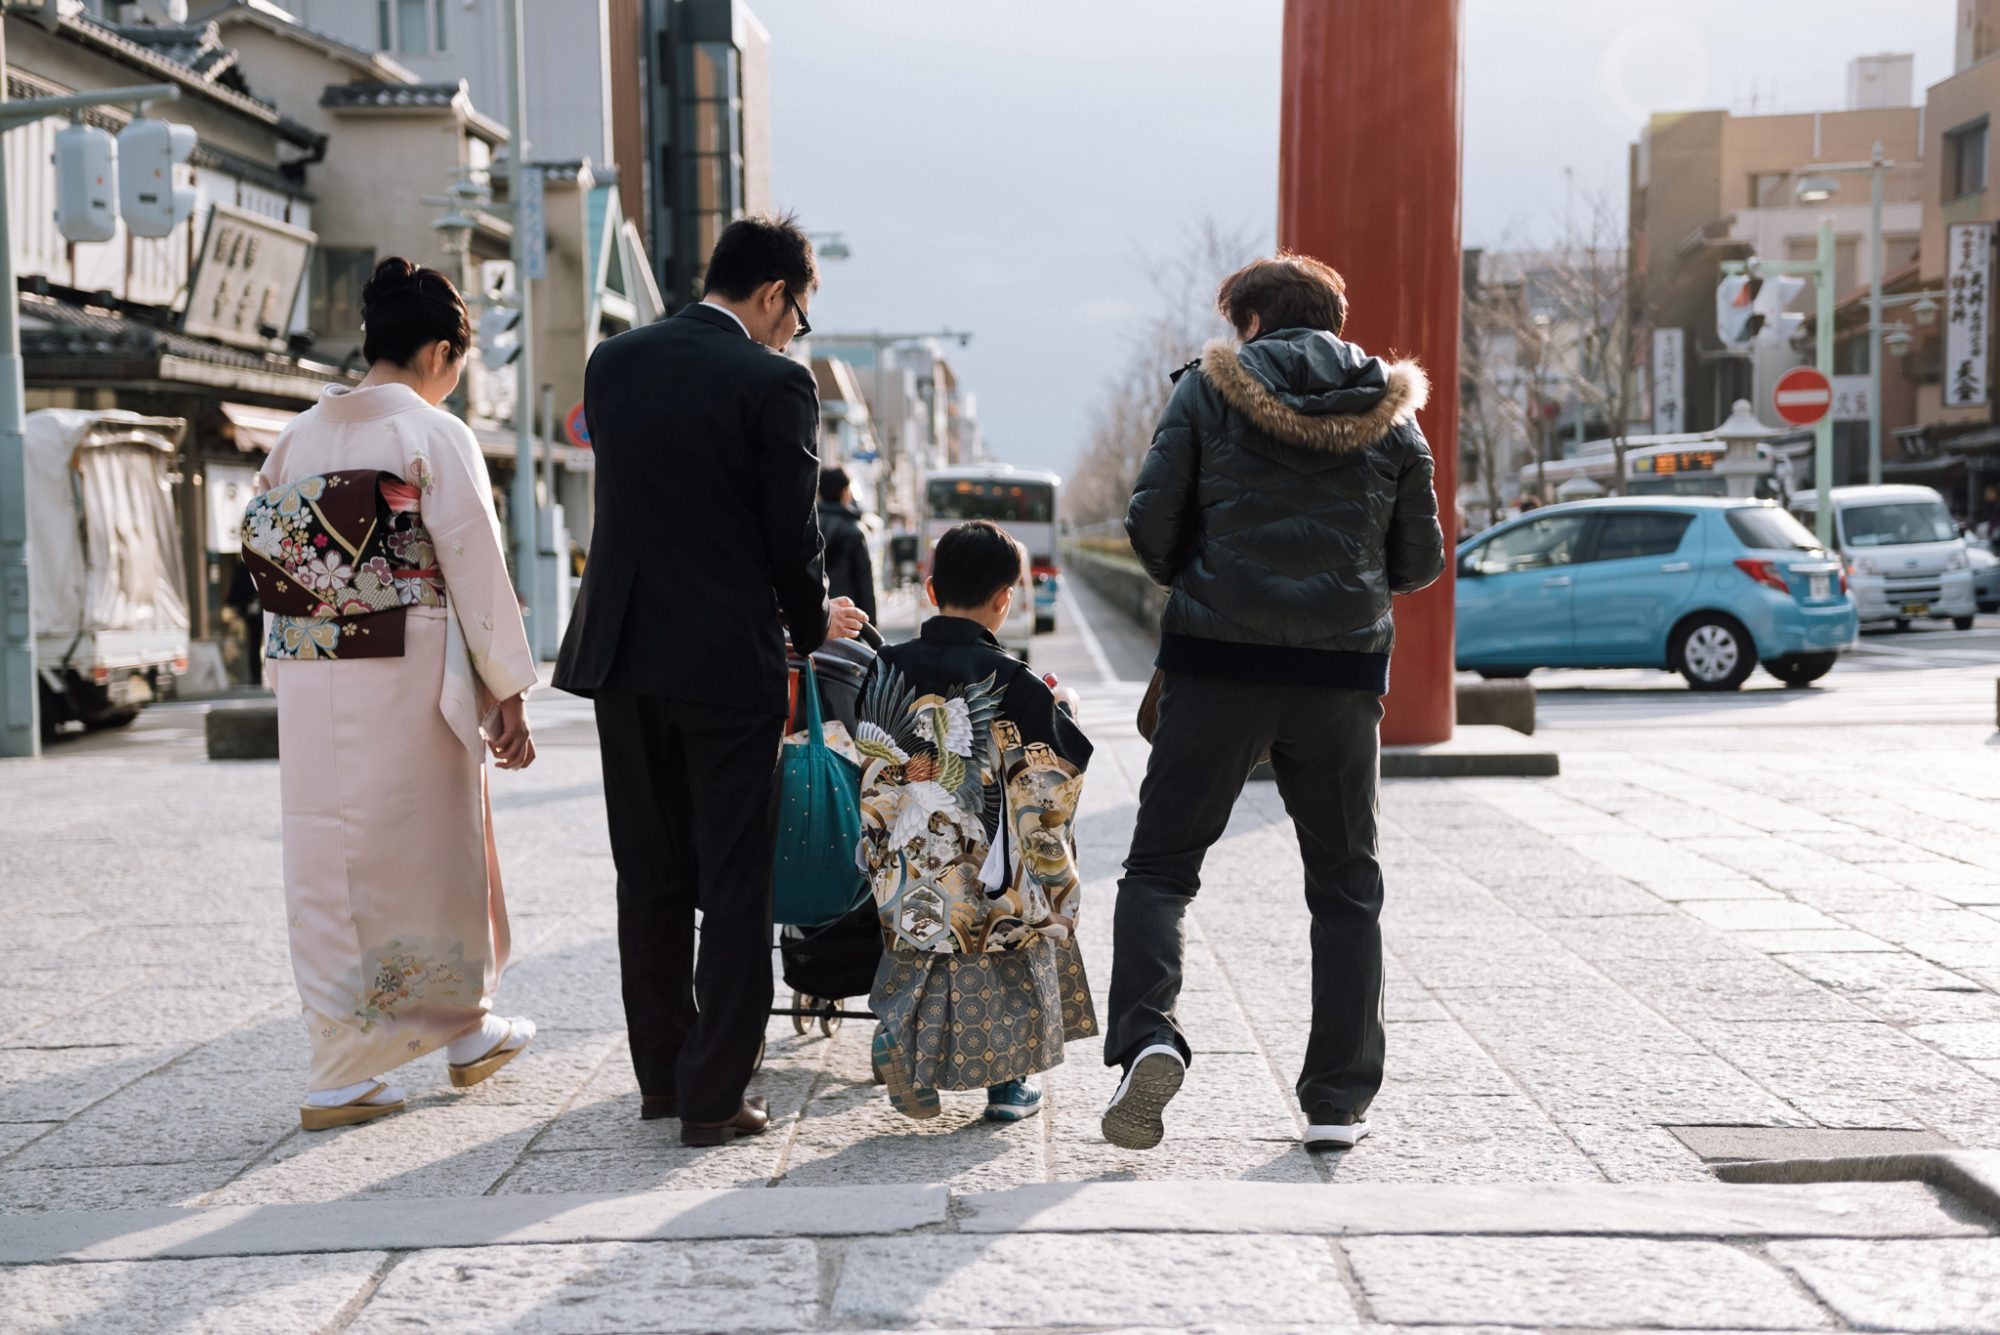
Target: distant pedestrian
[705, 551]
[394, 629]
[850, 573]
[1286, 497]
[1528, 501]
[243, 601]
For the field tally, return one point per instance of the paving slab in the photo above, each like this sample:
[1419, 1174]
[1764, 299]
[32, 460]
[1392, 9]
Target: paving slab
[1713, 1210]
[244, 1295]
[1164, 1280]
[749, 1284]
[1727, 1143]
[1934, 1285]
[413, 1224]
[1595, 1283]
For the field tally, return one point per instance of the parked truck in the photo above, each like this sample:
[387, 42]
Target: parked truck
[104, 556]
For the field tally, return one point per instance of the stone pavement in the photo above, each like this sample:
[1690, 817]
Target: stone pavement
[1744, 942]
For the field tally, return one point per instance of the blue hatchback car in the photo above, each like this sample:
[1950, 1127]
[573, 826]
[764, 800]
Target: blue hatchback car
[1708, 587]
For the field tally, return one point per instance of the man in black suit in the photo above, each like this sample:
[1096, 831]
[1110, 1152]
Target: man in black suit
[705, 550]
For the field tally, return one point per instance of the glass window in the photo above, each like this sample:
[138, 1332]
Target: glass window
[1965, 160]
[1769, 528]
[339, 274]
[1895, 524]
[1531, 546]
[1626, 534]
[385, 28]
[1002, 502]
[413, 27]
[437, 32]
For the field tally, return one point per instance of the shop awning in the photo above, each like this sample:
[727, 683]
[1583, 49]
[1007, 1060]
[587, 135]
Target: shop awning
[255, 429]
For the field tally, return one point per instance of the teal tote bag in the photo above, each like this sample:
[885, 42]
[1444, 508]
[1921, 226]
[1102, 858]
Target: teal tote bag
[819, 826]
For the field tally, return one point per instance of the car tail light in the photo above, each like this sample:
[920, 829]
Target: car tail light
[100, 674]
[1843, 579]
[181, 663]
[1043, 574]
[1765, 572]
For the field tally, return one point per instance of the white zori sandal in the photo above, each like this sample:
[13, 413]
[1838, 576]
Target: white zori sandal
[500, 1040]
[350, 1106]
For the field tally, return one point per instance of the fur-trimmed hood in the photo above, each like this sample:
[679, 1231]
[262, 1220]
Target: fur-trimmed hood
[1307, 387]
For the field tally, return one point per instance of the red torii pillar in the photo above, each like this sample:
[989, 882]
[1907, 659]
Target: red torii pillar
[1368, 181]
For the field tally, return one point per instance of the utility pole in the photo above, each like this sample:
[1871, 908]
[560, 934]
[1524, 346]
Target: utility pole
[527, 543]
[1875, 319]
[20, 707]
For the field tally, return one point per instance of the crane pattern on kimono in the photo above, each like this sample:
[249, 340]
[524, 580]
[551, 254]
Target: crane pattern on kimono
[931, 807]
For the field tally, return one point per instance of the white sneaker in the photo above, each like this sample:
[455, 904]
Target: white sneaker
[1132, 1118]
[1336, 1135]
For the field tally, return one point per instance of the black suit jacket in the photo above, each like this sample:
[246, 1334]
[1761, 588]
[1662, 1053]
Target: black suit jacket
[706, 544]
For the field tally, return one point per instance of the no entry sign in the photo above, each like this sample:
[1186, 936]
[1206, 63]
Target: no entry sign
[1803, 396]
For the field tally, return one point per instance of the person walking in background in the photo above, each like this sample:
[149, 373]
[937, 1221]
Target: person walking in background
[849, 571]
[1287, 495]
[705, 550]
[394, 630]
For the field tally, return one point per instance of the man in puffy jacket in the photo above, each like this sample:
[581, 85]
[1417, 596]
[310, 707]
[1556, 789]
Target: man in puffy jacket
[1286, 496]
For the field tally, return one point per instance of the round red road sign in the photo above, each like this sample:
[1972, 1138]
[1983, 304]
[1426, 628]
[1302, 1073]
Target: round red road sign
[576, 429]
[1802, 396]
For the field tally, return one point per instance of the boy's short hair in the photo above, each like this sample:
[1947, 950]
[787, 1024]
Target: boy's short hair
[833, 484]
[974, 561]
[1287, 291]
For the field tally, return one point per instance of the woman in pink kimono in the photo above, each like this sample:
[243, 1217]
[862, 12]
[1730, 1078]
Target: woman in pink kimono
[395, 637]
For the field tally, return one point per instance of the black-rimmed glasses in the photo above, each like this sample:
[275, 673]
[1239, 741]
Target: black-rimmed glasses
[805, 326]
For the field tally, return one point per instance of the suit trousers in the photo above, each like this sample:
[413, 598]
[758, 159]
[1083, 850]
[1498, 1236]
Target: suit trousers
[1325, 745]
[691, 795]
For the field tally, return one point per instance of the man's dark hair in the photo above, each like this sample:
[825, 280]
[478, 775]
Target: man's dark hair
[972, 562]
[756, 249]
[406, 307]
[833, 484]
[1286, 291]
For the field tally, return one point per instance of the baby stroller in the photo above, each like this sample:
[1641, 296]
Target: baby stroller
[825, 963]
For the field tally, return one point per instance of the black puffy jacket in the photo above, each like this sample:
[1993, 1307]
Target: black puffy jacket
[1287, 494]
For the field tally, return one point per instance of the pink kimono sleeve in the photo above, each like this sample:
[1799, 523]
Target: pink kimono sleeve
[457, 508]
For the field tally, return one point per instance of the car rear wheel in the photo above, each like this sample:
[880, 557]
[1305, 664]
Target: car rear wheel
[1961, 623]
[1504, 674]
[1801, 669]
[1714, 653]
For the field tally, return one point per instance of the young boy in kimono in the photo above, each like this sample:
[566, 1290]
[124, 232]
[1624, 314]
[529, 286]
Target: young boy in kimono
[971, 772]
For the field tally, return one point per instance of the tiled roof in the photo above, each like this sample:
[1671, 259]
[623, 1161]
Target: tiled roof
[369, 93]
[195, 45]
[53, 329]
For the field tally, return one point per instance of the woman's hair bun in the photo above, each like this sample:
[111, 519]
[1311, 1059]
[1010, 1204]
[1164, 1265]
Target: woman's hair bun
[406, 306]
[393, 275]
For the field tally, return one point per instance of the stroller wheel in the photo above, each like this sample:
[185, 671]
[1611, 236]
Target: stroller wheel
[830, 1024]
[802, 1002]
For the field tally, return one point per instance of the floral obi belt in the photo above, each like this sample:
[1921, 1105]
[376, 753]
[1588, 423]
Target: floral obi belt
[338, 560]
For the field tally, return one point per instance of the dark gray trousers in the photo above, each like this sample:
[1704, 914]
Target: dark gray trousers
[1325, 749]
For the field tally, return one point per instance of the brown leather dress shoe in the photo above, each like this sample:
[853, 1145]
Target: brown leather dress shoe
[750, 1120]
[653, 1107]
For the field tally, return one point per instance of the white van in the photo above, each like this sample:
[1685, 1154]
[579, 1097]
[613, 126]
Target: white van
[1905, 558]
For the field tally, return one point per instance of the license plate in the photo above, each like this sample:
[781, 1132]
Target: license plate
[1819, 588]
[1915, 609]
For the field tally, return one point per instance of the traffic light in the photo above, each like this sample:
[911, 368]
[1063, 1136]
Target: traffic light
[1737, 318]
[499, 337]
[86, 161]
[150, 196]
[1773, 303]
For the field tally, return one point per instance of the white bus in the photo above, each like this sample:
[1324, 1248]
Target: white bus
[1021, 500]
[1678, 465]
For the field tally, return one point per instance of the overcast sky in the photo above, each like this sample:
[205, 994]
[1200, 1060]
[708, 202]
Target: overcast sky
[1001, 166]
